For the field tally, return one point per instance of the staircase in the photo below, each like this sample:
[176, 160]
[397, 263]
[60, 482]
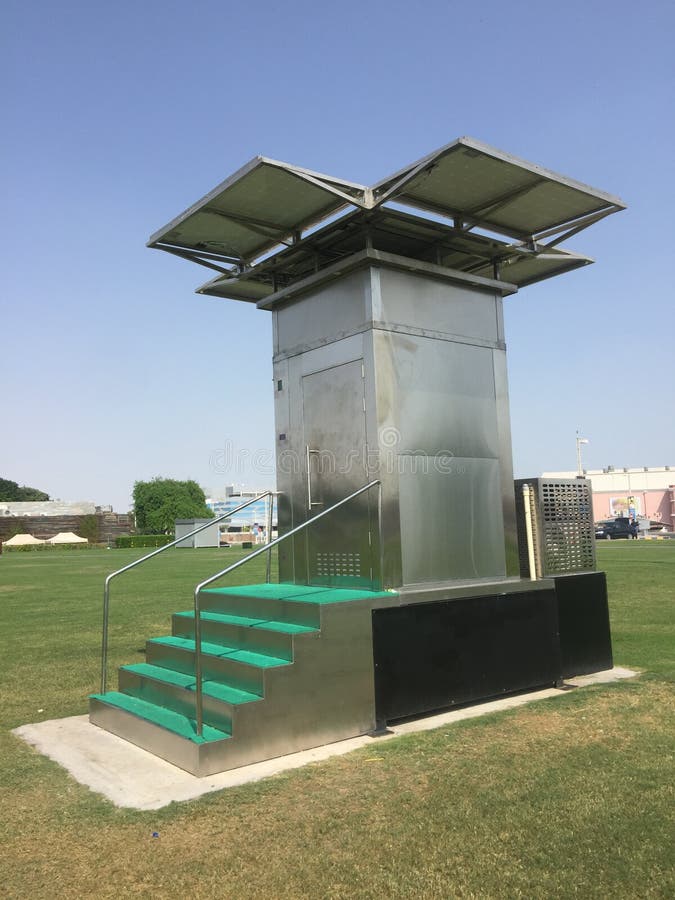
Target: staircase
[285, 667]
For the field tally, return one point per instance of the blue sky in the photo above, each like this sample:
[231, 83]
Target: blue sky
[118, 116]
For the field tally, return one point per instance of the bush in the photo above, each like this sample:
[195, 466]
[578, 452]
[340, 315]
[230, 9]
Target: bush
[127, 541]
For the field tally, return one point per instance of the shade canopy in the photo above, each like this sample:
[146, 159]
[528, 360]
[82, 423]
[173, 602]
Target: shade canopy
[272, 224]
[67, 537]
[21, 540]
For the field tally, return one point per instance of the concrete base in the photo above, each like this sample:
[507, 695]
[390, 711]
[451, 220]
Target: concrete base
[131, 777]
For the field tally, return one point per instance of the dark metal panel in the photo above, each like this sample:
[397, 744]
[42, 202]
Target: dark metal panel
[434, 655]
[583, 623]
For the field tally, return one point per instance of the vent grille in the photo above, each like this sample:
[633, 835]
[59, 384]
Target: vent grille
[562, 523]
[567, 519]
[337, 565]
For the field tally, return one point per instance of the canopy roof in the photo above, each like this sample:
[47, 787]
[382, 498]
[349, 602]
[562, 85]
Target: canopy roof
[20, 540]
[67, 537]
[261, 220]
[393, 232]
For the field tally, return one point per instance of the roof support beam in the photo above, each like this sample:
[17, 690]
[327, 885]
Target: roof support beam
[194, 257]
[576, 227]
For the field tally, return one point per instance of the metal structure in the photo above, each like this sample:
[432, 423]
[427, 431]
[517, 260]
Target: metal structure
[390, 373]
[208, 537]
[389, 349]
[560, 537]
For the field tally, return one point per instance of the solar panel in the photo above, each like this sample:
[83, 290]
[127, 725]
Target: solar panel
[485, 187]
[257, 208]
[261, 220]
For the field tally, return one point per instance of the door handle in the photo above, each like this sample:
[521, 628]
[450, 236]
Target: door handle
[310, 502]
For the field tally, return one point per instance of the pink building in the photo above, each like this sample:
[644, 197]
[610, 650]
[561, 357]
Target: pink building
[645, 493]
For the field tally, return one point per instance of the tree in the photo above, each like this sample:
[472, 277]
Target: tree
[158, 503]
[10, 491]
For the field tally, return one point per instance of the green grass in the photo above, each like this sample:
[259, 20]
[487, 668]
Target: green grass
[564, 798]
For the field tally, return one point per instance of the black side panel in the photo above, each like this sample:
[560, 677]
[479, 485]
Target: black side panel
[432, 655]
[583, 622]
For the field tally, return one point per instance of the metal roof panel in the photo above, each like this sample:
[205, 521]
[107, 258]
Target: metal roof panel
[257, 208]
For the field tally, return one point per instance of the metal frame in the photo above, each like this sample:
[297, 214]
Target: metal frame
[137, 562]
[388, 190]
[285, 269]
[199, 703]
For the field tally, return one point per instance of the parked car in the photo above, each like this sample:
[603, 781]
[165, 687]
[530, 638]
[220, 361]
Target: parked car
[611, 529]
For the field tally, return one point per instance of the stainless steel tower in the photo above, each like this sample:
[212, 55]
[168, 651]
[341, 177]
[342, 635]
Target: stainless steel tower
[393, 461]
[389, 352]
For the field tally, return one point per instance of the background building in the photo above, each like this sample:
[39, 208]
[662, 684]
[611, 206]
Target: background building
[644, 492]
[234, 496]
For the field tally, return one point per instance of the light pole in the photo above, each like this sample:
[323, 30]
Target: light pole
[580, 441]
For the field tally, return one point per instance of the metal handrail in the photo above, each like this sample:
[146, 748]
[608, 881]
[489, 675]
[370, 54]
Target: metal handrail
[268, 547]
[137, 562]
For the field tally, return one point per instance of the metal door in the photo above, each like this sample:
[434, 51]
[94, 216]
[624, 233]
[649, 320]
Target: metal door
[339, 546]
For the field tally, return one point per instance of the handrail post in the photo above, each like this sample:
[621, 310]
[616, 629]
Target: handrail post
[199, 700]
[104, 640]
[268, 567]
[380, 539]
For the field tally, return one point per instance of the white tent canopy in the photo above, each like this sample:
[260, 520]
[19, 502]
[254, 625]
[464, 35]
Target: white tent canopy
[67, 537]
[19, 540]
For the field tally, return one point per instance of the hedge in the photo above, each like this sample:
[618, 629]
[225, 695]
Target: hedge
[127, 541]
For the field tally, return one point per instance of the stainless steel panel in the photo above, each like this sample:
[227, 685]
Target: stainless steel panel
[426, 303]
[337, 310]
[444, 394]
[443, 407]
[291, 450]
[503, 422]
[451, 524]
[338, 547]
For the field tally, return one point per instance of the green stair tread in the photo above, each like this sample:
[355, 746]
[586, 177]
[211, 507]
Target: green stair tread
[159, 715]
[248, 622]
[215, 689]
[262, 660]
[300, 593]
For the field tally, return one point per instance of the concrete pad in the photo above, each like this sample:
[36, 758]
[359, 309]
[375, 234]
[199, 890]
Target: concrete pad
[131, 777]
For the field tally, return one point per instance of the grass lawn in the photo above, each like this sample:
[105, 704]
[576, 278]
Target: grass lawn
[570, 797]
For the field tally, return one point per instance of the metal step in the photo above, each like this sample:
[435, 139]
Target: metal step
[244, 632]
[176, 691]
[160, 731]
[242, 669]
[279, 609]
[284, 668]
